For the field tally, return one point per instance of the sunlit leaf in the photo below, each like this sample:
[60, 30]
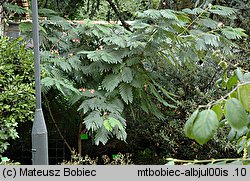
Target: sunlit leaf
[205, 126]
[236, 114]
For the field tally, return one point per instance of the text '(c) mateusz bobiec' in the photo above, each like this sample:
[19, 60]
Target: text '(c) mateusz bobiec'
[78, 172]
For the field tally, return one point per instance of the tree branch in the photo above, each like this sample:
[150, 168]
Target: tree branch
[212, 103]
[57, 127]
[118, 14]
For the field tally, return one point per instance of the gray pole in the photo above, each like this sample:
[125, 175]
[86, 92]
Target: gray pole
[39, 130]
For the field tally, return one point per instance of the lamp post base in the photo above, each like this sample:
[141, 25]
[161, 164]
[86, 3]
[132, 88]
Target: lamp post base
[39, 140]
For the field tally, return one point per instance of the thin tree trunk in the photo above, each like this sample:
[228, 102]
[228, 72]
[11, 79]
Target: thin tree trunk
[1, 21]
[2, 17]
[46, 4]
[79, 137]
[88, 4]
[118, 14]
[92, 13]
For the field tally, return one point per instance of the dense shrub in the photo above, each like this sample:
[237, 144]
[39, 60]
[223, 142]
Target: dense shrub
[17, 100]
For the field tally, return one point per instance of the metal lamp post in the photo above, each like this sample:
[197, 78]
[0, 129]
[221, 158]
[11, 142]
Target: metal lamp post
[39, 130]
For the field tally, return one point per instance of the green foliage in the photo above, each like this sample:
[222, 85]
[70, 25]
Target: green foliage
[87, 59]
[99, 9]
[244, 96]
[12, 11]
[120, 159]
[233, 33]
[14, 8]
[222, 10]
[189, 125]
[234, 108]
[235, 114]
[7, 161]
[201, 133]
[17, 100]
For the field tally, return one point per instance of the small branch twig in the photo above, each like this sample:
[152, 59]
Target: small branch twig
[212, 103]
[53, 46]
[196, 19]
[58, 129]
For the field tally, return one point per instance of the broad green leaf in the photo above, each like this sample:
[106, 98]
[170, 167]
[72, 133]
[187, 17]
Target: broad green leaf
[114, 122]
[248, 134]
[115, 126]
[241, 144]
[240, 75]
[240, 133]
[133, 60]
[236, 114]
[189, 124]
[205, 126]
[75, 62]
[115, 105]
[232, 82]
[234, 95]
[231, 135]
[103, 29]
[218, 110]
[246, 77]
[244, 96]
